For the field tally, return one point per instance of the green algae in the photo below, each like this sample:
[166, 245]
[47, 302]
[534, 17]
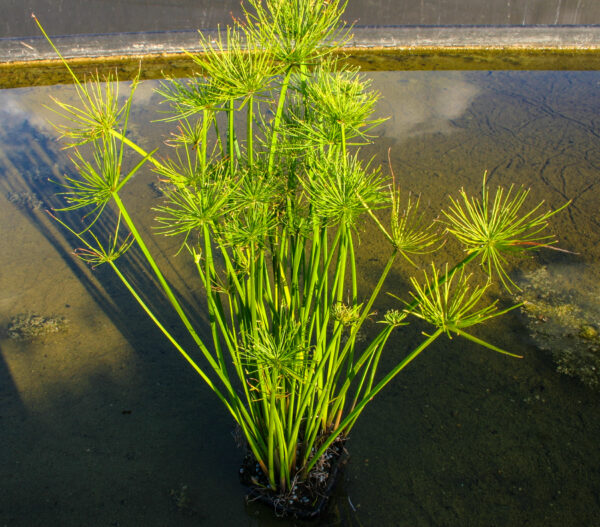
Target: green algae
[50, 72]
[30, 326]
[563, 317]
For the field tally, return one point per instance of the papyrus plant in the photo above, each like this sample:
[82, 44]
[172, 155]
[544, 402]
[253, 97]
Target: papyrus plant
[266, 189]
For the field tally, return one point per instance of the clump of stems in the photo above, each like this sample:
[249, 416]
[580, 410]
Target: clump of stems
[268, 210]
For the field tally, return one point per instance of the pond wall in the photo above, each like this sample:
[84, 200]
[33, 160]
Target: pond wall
[388, 35]
[68, 17]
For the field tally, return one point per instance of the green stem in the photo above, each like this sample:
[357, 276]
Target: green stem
[178, 309]
[365, 313]
[204, 139]
[351, 417]
[277, 121]
[213, 299]
[149, 156]
[249, 132]
[173, 341]
[373, 353]
[231, 137]
[271, 437]
[165, 286]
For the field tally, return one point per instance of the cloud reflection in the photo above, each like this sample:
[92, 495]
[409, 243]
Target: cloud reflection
[423, 102]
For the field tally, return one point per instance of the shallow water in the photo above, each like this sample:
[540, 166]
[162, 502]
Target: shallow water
[104, 424]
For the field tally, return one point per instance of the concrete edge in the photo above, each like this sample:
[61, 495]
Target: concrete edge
[20, 50]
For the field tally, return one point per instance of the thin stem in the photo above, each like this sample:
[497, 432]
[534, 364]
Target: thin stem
[444, 278]
[249, 131]
[204, 139]
[351, 417]
[277, 121]
[365, 313]
[149, 156]
[175, 303]
[231, 137]
[173, 341]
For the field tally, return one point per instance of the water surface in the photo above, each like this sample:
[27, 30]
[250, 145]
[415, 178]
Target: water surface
[104, 424]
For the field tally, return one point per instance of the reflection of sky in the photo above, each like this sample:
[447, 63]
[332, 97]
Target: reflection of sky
[17, 108]
[423, 102]
[417, 102]
[34, 107]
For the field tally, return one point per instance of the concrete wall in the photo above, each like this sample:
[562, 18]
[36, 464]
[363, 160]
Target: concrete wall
[63, 17]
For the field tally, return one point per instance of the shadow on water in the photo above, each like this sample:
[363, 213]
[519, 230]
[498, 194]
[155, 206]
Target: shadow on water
[129, 414]
[36, 190]
[9, 392]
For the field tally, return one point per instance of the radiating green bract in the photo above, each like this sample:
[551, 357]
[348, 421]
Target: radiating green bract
[268, 209]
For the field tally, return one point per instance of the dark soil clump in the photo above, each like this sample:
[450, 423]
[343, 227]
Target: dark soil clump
[306, 499]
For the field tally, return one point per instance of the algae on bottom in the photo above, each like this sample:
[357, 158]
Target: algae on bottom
[561, 306]
[28, 326]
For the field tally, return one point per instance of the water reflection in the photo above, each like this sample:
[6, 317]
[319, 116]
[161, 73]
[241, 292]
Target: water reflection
[422, 103]
[118, 431]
